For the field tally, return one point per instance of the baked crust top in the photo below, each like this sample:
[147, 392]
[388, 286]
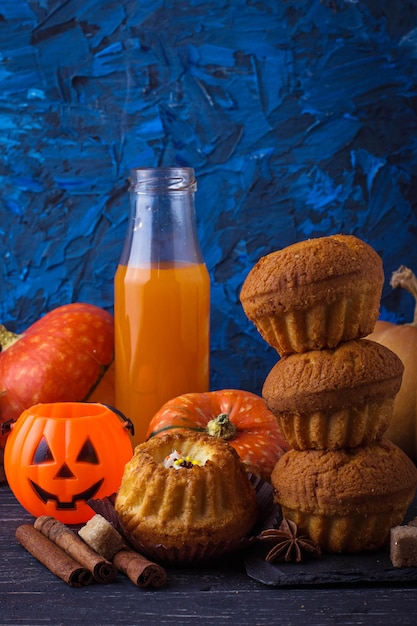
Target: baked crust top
[311, 271]
[351, 481]
[354, 372]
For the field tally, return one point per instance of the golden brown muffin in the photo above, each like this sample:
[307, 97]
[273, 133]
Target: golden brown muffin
[209, 500]
[346, 500]
[335, 398]
[315, 294]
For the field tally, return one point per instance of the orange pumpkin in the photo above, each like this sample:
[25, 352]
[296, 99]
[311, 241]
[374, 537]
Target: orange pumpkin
[402, 339]
[240, 417]
[64, 356]
[60, 455]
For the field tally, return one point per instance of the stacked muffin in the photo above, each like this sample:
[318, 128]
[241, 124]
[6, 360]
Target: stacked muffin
[332, 391]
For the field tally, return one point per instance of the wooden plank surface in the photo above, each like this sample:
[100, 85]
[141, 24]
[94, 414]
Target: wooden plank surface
[31, 595]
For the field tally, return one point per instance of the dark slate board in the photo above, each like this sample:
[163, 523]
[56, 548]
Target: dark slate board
[372, 567]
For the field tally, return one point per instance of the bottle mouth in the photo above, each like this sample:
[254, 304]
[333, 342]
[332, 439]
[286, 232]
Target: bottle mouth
[162, 179]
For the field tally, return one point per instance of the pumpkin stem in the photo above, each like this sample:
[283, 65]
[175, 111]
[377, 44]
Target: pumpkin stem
[7, 338]
[221, 427]
[405, 278]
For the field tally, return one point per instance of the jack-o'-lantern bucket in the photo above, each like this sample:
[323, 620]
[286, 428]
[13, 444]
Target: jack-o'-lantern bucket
[60, 455]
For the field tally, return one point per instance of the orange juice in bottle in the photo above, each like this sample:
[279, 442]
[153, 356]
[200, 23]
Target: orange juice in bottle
[161, 297]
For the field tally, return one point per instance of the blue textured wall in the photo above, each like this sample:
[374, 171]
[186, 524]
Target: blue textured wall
[299, 118]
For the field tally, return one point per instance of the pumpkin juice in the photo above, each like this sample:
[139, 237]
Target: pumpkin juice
[161, 337]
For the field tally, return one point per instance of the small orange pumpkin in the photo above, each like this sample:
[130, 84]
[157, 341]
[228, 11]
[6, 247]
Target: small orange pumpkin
[60, 455]
[402, 339]
[239, 417]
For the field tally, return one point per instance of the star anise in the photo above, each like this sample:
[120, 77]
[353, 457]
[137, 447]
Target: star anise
[289, 545]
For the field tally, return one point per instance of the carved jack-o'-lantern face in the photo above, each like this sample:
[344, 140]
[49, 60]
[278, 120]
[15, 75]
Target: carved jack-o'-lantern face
[60, 455]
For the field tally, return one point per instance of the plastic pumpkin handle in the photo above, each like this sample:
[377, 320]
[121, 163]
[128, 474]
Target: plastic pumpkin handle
[128, 424]
[7, 426]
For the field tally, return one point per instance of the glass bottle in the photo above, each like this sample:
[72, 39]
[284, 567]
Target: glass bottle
[161, 298]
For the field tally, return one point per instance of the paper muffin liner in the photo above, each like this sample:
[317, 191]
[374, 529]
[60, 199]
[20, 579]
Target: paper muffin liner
[268, 514]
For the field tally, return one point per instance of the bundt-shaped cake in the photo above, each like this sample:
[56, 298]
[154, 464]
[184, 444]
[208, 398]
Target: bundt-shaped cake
[185, 489]
[314, 294]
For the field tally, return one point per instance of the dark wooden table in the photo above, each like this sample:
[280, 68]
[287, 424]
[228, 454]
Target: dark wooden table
[31, 595]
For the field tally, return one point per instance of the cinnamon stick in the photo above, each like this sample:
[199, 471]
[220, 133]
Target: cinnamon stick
[52, 557]
[102, 569]
[139, 570]
[100, 535]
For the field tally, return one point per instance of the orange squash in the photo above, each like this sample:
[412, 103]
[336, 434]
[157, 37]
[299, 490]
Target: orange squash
[64, 356]
[239, 417]
[402, 339]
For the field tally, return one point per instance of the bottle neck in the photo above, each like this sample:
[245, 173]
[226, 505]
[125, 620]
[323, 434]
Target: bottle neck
[162, 223]
[162, 180]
